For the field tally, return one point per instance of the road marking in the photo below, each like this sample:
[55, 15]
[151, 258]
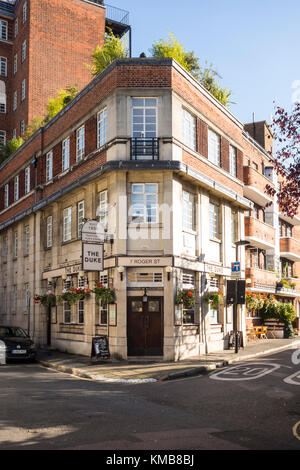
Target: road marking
[290, 380]
[295, 431]
[296, 357]
[246, 372]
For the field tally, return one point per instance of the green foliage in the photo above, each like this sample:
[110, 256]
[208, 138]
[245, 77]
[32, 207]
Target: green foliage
[185, 297]
[74, 296]
[214, 299]
[102, 57]
[104, 294]
[55, 105]
[10, 147]
[36, 123]
[205, 75]
[48, 300]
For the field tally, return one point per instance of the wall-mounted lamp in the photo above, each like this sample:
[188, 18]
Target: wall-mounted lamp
[121, 270]
[248, 281]
[64, 278]
[169, 270]
[145, 297]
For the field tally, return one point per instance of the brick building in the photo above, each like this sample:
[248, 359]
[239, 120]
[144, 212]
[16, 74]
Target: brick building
[176, 181]
[46, 46]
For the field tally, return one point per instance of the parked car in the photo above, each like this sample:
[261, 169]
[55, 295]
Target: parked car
[18, 343]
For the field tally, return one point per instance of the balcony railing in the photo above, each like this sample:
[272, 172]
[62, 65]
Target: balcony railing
[144, 149]
[116, 14]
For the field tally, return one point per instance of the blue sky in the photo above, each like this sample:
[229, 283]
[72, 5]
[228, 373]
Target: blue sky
[253, 45]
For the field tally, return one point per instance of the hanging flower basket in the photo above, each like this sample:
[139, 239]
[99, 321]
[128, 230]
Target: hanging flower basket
[74, 296]
[214, 299]
[48, 300]
[185, 297]
[105, 295]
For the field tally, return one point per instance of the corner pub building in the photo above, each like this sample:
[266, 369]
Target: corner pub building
[170, 174]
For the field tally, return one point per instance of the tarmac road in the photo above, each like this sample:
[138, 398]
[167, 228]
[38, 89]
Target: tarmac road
[253, 405]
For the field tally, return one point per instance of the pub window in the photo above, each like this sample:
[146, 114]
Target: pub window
[103, 309]
[103, 208]
[214, 221]
[67, 224]
[67, 312]
[188, 282]
[81, 312]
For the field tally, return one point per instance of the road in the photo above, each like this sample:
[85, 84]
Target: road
[232, 409]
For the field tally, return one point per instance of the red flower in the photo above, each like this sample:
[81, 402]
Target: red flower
[190, 294]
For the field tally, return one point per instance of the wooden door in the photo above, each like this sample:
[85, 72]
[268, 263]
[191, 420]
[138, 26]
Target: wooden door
[145, 326]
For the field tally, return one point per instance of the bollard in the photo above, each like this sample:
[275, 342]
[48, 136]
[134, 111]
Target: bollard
[2, 353]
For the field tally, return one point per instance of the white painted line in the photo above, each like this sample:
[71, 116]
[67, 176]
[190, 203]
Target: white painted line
[296, 432]
[246, 372]
[290, 380]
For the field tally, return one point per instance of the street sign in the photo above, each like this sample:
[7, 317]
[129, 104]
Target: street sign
[236, 270]
[93, 232]
[92, 257]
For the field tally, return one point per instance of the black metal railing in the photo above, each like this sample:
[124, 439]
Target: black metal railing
[144, 149]
[117, 14]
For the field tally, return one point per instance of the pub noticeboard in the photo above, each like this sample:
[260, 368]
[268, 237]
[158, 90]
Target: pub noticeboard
[100, 348]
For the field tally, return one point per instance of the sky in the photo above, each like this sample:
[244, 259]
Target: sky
[253, 45]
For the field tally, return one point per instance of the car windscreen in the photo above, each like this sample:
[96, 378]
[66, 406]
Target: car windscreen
[12, 332]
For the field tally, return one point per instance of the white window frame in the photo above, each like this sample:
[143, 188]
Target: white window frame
[189, 129]
[22, 127]
[3, 66]
[66, 154]
[67, 224]
[102, 127]
[24, 50]
[16, 27]
[15, 246]
[14, 133]
[27, 180]
[80, 311]
[2, 139]
[80, 143]
[23, 90]
[3, 30]
[139, 210]
[234, 226]
[188, 211]
[15, 63]
[103, 208]
[3, 103]
[149, 129]
[6, 196]
[16, 188]
[67, 310]
[214, 147]
[80, 217]
[103, 278]
[49, 231]
[49, 166]
[15, 100]
[26, 240]
[214, 220]
[24, 15]
[233, 160]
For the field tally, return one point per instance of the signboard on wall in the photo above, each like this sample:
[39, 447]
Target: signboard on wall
[93, 232]
[92, 257]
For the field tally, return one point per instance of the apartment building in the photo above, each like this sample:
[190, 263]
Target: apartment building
[46, 46]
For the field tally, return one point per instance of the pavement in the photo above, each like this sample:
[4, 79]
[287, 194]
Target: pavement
[129, 372]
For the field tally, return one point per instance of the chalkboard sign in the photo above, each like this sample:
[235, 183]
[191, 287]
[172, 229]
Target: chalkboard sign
[100, 347]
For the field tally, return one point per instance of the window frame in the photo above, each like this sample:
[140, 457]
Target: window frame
[27, 180]
[80, 143]
[214, 224]
[65, 154]
[214, 147]
[3, 30]
[188, 211]
[102, 127]
[189, 129]
[24, 51]
[16, 188]
[3, 60]
[80, 218]
[49, 166]
[67, 224]
[49, 231]
[233, 160]
[144, 204]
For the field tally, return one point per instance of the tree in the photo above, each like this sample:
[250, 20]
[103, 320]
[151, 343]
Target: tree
[9, 148]
[286, 131]
[206, 75]
[55, 105]
[113, 48]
